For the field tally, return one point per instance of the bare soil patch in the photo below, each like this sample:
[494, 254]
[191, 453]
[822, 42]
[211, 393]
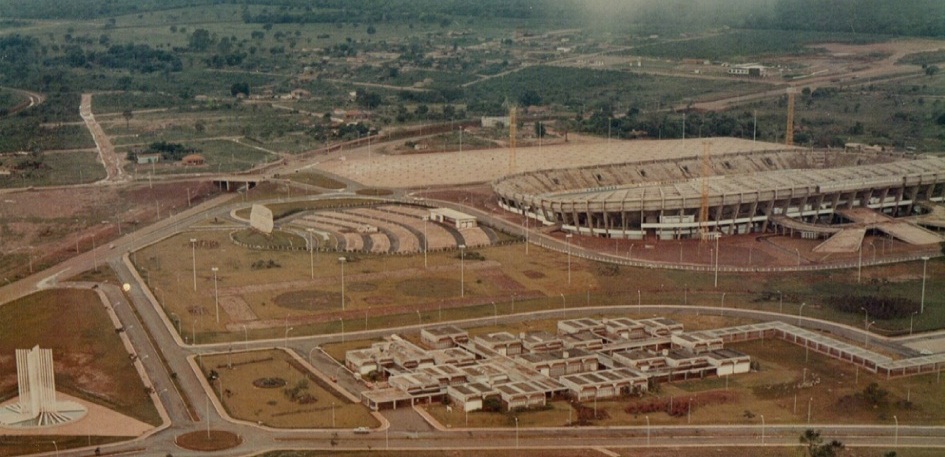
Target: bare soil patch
[309, 300]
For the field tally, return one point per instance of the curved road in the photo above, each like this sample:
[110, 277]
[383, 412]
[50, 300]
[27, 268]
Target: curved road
[398, 436]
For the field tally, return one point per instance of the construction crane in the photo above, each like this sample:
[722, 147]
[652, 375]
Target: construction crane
[789, 131]
[513, 132]
[704, 207]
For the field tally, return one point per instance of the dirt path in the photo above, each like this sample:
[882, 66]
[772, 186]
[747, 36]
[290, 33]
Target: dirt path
[106, 150]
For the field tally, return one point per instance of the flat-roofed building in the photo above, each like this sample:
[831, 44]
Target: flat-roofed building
[459, 219]
[661, 326]
[586, 339]
[486, 373]
[624, 328]
[443, 337]
[640, 359]
[409, 356]
[446, 375]
[503, 343]
[453, 356]
[361, 361]
[559, 363]
[521, 395]
[417, 384]
[605, 383]
[697, 342]
[541, 341]
[570, 326]
[728, 362]
[470, 396]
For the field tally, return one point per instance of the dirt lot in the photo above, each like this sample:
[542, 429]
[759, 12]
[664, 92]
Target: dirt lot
[44, 226]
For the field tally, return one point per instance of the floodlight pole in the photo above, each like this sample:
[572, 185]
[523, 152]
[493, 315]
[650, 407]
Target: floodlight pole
[462, 270]
[426, 243]
[717, 236]
[193, 251]
[568, 238]
[925, 264]
[311, 252]
[342, 261]
[216, 293]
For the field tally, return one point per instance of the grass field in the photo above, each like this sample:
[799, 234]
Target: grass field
[63, 168]
[275, 407]
[91, 362]
[398, 287]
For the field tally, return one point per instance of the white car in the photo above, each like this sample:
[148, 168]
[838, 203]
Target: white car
[362, 431]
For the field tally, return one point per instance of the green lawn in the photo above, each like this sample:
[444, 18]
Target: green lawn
[91, 362]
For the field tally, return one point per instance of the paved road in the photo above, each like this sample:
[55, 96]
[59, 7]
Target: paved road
[104, 145]
[408, 433]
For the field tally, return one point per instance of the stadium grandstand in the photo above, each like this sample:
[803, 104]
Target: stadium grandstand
[728, 193]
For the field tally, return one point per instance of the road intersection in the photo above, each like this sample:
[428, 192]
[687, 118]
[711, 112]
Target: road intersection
[167, 361]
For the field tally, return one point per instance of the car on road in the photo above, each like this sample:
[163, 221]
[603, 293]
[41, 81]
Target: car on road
[362, 431]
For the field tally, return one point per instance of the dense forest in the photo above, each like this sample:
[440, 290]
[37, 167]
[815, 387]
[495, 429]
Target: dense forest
[883, 17]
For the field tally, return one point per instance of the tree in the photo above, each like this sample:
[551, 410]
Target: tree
[931, 70]
[539, 129]
[200, 40]
[371, 30]
[816, 446]
[127, 114]
[240, 88]
[529, 98]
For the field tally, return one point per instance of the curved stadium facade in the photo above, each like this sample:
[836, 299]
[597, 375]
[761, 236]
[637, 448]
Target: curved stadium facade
[746, 192]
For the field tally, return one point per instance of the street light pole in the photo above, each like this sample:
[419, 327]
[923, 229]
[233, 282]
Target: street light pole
[762, 429]
[647, 430]
[342, 261]
[462, 270]
[722, 305]
[867, 336]
[285, 338]
[495, 314]
[717, 236]
[426, 243]
[925, 264]
[516, 433]
[216, 293]
[311, 252]
[896, 441]
[342, 321]
[193, 251]
[568, 238]
[800, 312]
[809, 403]
[780, 302]
[564, 307]
[910, 321]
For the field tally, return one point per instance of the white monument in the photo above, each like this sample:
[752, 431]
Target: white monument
[260, 218]
[37, 405]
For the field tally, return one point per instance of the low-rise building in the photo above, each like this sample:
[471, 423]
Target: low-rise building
[559, 363]
[443, 337]
[541, 341]
[697, 342]
[503, 343]
[605, 383]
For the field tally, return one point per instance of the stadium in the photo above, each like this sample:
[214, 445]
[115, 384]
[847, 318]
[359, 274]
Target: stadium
[811, 192]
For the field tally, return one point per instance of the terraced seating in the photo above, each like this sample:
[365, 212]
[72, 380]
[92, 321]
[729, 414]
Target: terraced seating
[475, 237]
[437, 236]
